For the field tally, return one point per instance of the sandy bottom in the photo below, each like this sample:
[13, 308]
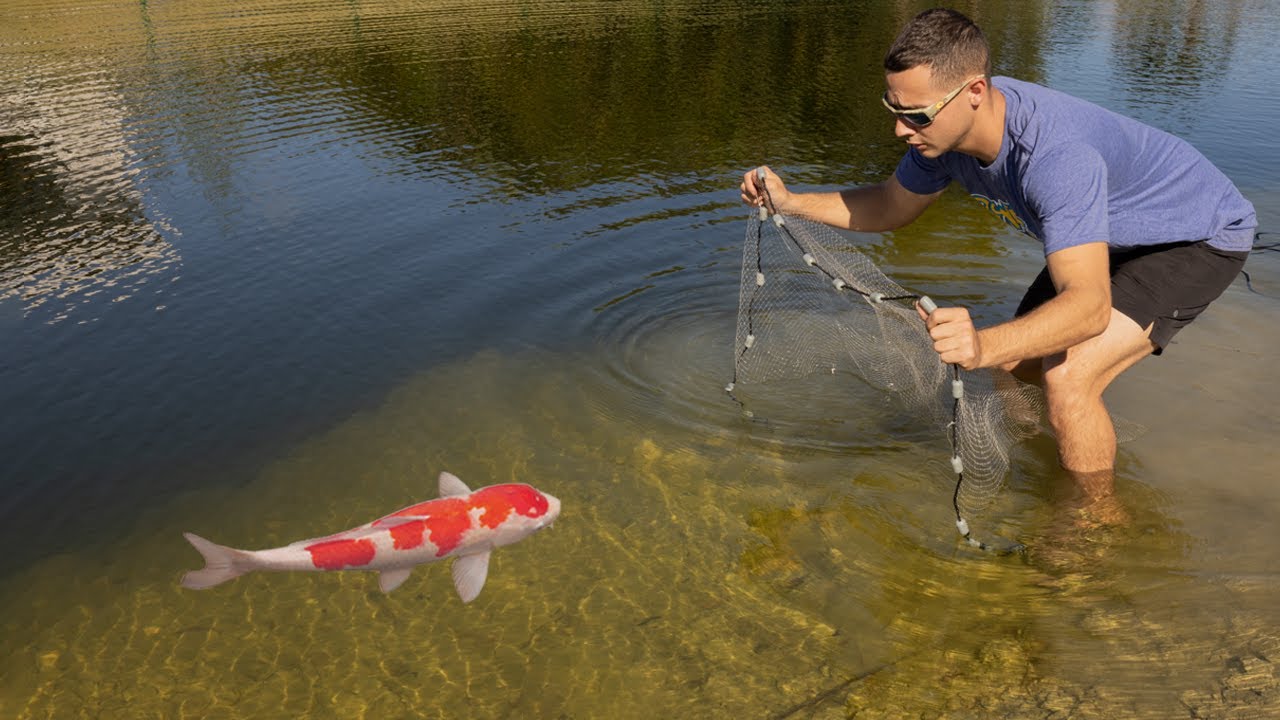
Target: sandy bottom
[703, 566]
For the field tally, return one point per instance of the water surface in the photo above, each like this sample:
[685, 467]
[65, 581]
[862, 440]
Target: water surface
[267, 269]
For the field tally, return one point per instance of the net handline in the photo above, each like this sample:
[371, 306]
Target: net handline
[989, 451]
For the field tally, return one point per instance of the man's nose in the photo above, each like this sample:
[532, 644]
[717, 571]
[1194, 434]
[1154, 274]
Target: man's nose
[902, 129]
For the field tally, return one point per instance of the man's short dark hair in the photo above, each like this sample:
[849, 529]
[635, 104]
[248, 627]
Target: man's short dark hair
[948, 42]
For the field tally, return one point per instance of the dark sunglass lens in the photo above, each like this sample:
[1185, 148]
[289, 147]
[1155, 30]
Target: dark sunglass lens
[917, 119]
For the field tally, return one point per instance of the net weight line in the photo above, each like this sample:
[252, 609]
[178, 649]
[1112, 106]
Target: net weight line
[887, 292]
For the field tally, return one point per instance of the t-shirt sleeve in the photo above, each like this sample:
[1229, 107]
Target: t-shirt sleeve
[921, 175]
[1067, 190]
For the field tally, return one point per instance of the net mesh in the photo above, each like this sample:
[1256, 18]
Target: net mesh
[809, 301]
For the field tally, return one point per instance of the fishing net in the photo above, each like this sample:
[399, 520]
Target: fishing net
[811, 302]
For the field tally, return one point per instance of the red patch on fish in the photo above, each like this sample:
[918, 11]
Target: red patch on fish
[446, 530]
[498, 501]
[409, 535]
[337, 554]
[445, 520]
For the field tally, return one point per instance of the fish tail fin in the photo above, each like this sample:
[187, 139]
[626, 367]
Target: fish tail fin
[220, 564]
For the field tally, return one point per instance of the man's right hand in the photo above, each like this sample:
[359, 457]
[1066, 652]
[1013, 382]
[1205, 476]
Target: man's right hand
[752, 195]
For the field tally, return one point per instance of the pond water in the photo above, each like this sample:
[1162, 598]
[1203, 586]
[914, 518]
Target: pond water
[267, 269]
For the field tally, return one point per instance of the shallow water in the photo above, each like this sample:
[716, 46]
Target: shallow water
[266, 270]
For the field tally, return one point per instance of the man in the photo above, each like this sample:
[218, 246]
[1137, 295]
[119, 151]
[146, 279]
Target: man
[1140, 231]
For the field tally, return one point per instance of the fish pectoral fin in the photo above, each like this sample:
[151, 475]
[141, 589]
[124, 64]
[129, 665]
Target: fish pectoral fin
[451, 486]
[389, 580]
[469, 573]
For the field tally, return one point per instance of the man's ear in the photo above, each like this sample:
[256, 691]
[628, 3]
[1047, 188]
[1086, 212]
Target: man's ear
[978, 92]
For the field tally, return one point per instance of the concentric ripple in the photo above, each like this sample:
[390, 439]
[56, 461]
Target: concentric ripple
[667, 347]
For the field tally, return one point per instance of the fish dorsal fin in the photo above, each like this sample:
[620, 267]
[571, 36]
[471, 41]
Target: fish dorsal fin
[451, 486]
[389, 580]
[469, 573]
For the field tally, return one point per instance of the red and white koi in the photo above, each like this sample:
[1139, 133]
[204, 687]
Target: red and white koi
[460, 524]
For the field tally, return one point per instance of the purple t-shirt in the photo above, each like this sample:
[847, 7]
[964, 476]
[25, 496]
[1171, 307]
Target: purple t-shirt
[1070, 172]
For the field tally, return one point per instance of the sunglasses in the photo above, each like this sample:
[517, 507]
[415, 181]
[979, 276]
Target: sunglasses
[923, 116]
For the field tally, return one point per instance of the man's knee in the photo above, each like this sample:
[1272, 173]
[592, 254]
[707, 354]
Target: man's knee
[1067, 386]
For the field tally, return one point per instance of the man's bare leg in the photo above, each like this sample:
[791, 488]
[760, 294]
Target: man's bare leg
[1074, 381]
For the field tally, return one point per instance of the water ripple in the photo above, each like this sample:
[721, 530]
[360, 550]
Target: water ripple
[85, 228]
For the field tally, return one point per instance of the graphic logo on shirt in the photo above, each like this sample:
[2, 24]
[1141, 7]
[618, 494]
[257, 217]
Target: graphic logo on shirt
[1004, 211]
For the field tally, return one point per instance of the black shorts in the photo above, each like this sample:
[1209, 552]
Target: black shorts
[1165, 285]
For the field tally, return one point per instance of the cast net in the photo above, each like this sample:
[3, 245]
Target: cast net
[811, 302]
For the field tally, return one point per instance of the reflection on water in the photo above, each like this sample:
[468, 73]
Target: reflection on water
[501, 239]
[82, 236]
[1186, 69]
[1166, 56]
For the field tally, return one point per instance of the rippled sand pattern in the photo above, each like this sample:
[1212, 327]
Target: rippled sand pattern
[634, 602]
[339, 183]
[694, 579]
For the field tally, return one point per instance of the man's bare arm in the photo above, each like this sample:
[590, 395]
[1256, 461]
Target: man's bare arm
[1081, 310]
[871, 208]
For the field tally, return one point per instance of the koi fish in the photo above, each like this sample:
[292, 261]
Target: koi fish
[460, 524]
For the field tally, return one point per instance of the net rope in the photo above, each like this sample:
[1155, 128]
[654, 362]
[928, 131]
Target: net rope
[809, 301]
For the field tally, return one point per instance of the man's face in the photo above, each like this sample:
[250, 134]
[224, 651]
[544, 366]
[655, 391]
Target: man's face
[915, 88]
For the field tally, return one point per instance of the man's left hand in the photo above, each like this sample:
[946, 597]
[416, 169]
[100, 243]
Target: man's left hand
[955, 339]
